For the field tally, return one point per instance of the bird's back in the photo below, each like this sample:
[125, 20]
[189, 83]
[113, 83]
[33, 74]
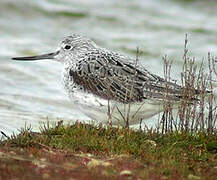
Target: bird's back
[112, 76]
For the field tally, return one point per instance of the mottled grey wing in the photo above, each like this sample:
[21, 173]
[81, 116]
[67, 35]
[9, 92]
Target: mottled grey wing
[110, 77]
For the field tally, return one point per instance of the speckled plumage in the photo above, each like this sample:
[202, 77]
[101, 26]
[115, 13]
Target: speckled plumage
[112, 76]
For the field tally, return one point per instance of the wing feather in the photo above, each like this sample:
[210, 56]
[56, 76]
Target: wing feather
[107, 75]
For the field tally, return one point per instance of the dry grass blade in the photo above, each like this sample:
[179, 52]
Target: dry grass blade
[196, 100]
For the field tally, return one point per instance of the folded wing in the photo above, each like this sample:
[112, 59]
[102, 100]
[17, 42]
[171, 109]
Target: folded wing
[111, 76]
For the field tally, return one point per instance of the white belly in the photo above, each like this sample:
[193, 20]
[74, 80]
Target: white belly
[101, 110]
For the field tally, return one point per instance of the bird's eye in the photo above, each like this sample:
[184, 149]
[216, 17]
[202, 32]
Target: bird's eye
[67, 47]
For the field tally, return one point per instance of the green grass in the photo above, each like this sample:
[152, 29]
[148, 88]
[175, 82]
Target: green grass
[146, 155]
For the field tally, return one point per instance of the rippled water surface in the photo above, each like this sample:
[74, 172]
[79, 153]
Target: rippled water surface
[31, 92]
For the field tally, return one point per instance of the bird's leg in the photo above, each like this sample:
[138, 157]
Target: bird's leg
[109, 114]
[140, 124]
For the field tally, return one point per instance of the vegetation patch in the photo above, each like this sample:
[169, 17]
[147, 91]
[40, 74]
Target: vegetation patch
[85, 151]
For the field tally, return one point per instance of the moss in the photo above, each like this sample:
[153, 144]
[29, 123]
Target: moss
[144, 154]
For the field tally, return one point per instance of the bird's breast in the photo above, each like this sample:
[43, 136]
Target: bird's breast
[68, 81]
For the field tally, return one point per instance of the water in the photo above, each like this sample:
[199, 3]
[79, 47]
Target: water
[30, 92]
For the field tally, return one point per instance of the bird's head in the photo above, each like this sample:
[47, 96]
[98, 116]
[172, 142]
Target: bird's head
[70, 47]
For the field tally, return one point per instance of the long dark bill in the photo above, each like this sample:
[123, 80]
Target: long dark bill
[38, 57]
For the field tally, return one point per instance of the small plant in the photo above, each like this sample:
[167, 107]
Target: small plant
[198, 98]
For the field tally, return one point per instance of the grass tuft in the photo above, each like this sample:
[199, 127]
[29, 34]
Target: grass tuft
[113, 150]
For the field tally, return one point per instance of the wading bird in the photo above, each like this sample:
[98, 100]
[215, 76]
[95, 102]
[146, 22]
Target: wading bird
[106, 85]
